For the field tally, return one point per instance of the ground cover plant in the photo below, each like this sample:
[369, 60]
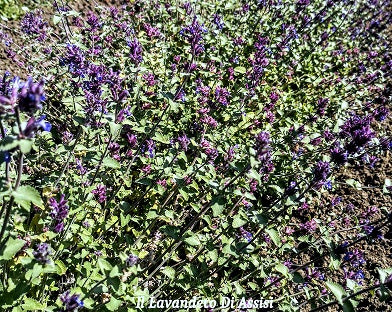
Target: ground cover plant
[192, 149]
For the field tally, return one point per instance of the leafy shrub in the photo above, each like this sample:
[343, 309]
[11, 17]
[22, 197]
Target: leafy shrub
[173, 150]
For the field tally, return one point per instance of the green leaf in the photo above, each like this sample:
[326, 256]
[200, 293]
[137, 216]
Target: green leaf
[170, 272]
[238, 221]
[192, 240]
[32, 304]
[60, 267]
[337, 290]
[384, 273]
[11, 248]
[25, 146]
[111, 163]
[104, 265]
[240, 69]
[274, 236]
[25, 195]
[8, 143]
[282, 269]
[56, 19]
[114, 128]
[113, 304]
[218, 206]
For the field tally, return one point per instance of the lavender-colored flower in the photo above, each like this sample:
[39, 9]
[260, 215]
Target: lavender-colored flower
[79, 167]
[59, 212]
[321, 106]
[381, 113]
[290, 190]
[212, 154]
[338, 155]
[131, 260]
[309, 226]
[321, 171]
[100, 193]
[136, 51]
[355, 258]
[75, 59]
[357, 131]
[42, 252]
[71, 302]
[132, 140]
[33, 24]
[93, 21]
[149, 146]
[151, 31]
[31, 95]
[34, 125]
[262, 144]
[222, 95]
[217, 20]
[184, 142]
[150, 79]
[245, 234]
[194, 35]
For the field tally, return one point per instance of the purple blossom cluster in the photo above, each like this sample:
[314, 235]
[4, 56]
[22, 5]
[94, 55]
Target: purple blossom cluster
[71, 303]
[59, 212]
[42, 252]
[194, 35]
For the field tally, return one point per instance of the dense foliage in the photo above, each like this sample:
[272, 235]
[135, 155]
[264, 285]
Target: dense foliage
[179, 149]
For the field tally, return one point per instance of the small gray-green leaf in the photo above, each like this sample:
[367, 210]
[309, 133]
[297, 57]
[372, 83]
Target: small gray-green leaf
[25, 195]
[11, 248]
[337, 290]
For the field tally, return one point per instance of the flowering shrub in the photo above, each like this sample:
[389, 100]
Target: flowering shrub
[176, 150]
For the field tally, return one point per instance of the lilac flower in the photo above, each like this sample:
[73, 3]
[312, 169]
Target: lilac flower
[263, 153]
[42, 252]
[150, 79]
[338, 155]
[132, 140]
[290, 190]
[79, 167]
[355, 258]
[212, 154]
[230, 153]
[357, 131]
[149, 145]
[75, 59]
[194, 35]
[31, 95]
[217, 20]
[321, 171]
[33, 24]
[34, 125]
[131, 260]
[245, 234]
[100, 193]
[321, 106]
[71, 302]
[93, 21]
[309, 226]
[262, 144]
[184, 142]
[151, 31]
[59, 212]
[136, 51]
[222, 95]
[381, 113]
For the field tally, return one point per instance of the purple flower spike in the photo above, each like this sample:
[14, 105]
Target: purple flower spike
[71, 302]
[42, 252]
